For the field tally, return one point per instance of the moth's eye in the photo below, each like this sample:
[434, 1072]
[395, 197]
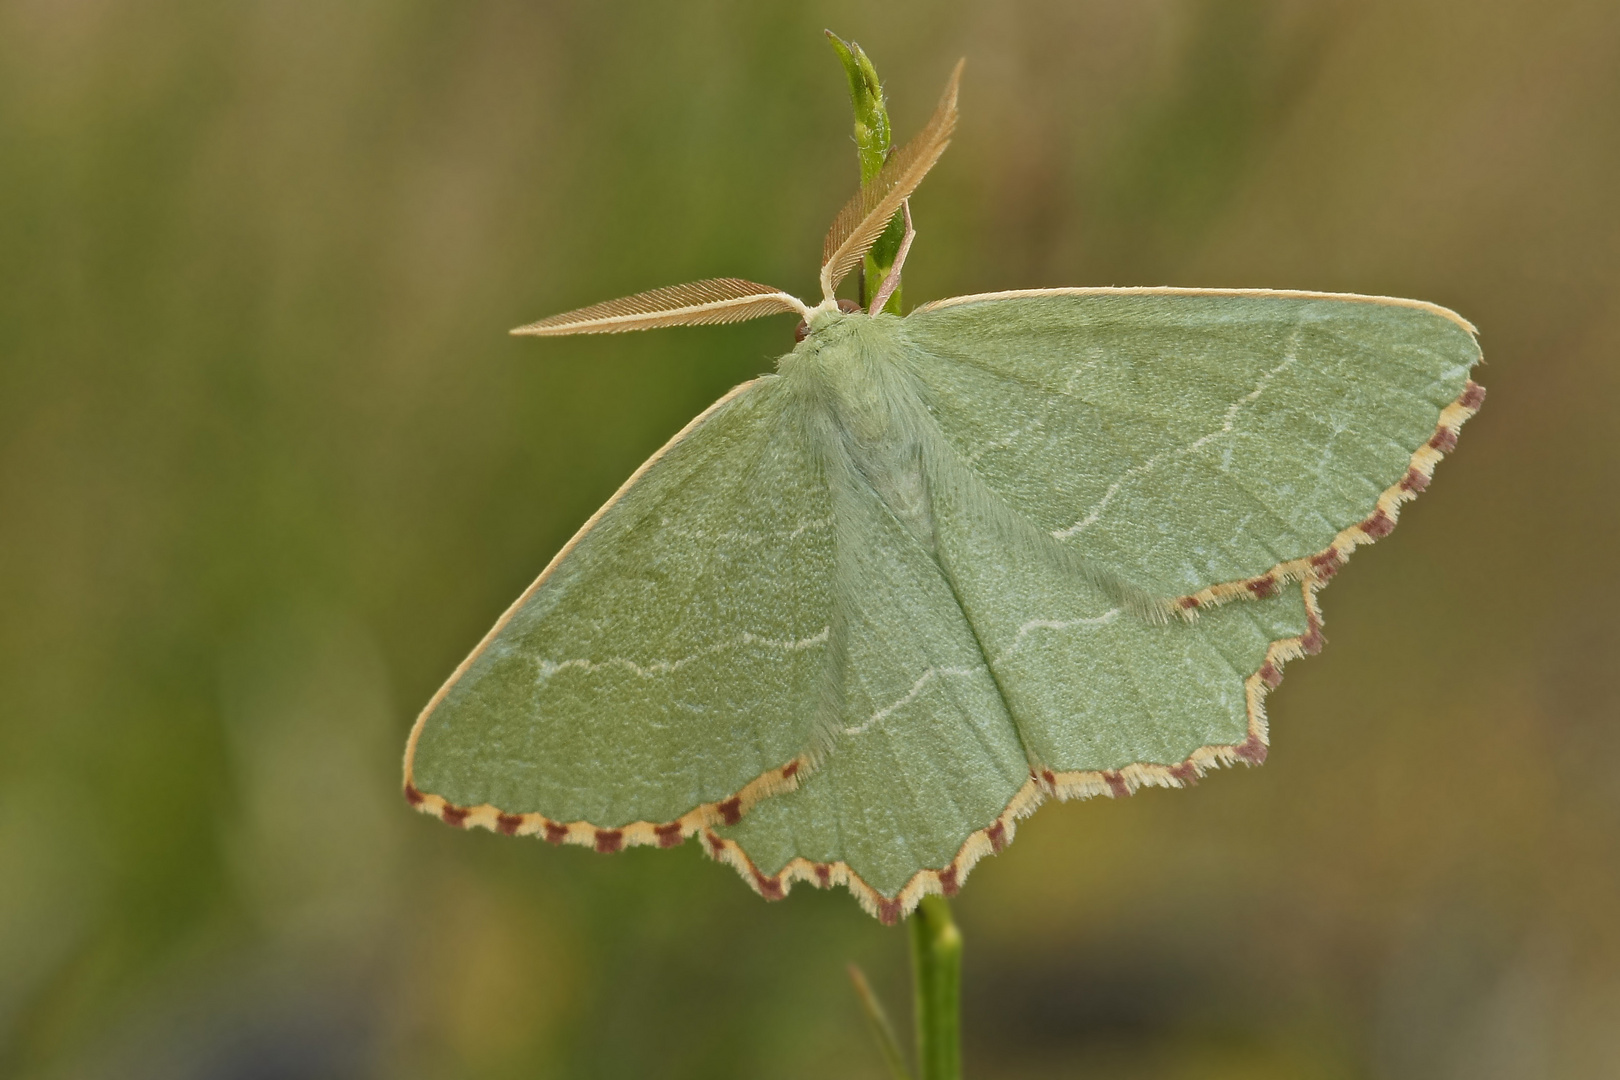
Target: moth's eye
[848, 307]
[801, 331]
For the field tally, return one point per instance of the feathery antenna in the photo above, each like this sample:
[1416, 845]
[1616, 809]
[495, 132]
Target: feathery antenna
[864, 217]
[697, 303]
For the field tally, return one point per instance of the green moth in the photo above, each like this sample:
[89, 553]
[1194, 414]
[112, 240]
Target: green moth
[864, 613]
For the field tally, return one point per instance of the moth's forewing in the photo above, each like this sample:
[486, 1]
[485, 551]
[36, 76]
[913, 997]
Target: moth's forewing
[668, 658]
[1187, 439]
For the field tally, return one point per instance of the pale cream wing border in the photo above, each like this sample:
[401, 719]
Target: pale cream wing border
[1177, 290]
[663, 834]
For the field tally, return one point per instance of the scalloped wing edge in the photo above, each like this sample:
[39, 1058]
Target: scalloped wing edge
[671, 833]
[1041, 785]
[1115, 783]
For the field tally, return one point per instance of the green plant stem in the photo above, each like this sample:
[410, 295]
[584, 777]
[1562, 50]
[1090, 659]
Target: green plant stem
[873, 141]
[936, 944]
[936, 966]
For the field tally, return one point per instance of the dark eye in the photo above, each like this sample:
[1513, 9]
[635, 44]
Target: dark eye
[848, 307]
[801, 331]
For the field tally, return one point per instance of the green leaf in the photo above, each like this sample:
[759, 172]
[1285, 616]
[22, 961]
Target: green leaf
[873, 136]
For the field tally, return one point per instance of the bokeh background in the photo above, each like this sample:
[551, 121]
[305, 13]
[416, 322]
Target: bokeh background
[270, 466]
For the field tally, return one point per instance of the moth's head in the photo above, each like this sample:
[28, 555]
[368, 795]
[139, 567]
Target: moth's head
[823, 316]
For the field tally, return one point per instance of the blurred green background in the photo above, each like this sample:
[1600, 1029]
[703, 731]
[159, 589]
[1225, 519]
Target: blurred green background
[270, 466]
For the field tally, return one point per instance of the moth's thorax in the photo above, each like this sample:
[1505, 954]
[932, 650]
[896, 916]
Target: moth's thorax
[854, 372]
[856, 366]
[844, 347]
